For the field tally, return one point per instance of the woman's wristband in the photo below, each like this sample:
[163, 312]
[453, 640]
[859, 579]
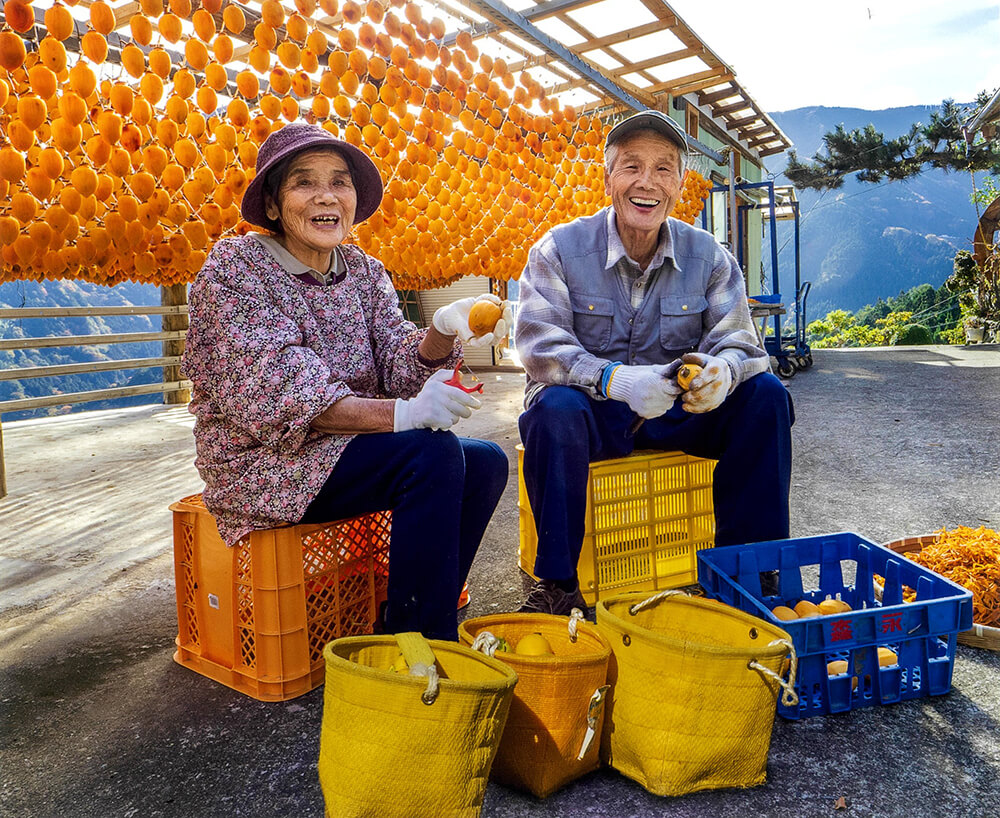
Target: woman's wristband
[433, 364]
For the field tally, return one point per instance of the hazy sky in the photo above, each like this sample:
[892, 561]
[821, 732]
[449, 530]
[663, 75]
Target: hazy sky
[873, 54]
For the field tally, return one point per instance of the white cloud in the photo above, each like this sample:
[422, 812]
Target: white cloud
[790, 54]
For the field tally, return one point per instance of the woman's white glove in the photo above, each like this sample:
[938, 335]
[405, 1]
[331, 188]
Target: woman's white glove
[647, 389]
[453, 319]
[711, 386]
[437, 406]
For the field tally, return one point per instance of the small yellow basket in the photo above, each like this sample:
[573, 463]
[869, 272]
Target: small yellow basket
[553, 731]
[694, 686]
[397, 745]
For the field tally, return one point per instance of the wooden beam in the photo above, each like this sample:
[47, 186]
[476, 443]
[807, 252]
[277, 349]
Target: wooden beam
[742, 105]
[771, 151]
[718, 96]
[737, 123]
[125, 13]
[88, 340]
[653, 62]
[23, 404]
[620, 37]
[85, 368]
[65, 312]
[675, 86]
[750, 133]
[693, 87]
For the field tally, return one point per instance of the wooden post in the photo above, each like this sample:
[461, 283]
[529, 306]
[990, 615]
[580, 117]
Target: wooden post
[3, 467]
[174, 296]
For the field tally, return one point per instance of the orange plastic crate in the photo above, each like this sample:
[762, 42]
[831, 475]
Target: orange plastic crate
[256, 616]
[648, 515]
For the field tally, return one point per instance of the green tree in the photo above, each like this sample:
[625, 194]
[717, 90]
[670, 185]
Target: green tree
[920, 315]
[868, 152]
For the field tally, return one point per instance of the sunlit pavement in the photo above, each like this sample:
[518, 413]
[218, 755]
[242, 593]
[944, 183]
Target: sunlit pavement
[97, 720]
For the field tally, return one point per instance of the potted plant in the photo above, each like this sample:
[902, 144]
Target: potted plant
[975, 327]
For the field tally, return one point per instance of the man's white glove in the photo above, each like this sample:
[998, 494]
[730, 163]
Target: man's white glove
[438, 406]
[453, 319]
[711, 386]
[645, 388]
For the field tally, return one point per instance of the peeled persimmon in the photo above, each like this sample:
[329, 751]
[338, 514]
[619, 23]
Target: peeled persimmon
[12, 51]
[483, 317]
[19, 15]
[887, 657]
[160, 63]
[806, 609]
[133, 60]
[833, 606]
[784, 613]
[297, 28]
[207, 99]
[31, 111]
[686, 374]
[52, 54]
[222, 48]
[289, 54]
[215, 75]
[233, 18]
[12, 165]
[23, 207]
[170, 26]
[151, 87]
[59, 21]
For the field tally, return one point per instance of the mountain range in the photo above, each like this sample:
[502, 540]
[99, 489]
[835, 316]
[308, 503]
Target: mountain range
[868, 241]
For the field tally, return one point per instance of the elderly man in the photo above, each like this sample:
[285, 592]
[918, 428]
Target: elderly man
[611, 306]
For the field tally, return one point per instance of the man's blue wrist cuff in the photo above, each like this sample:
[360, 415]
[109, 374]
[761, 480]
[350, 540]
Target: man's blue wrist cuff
[606, 374]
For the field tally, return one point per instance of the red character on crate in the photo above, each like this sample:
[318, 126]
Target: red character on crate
[892, 622]
[841, 630]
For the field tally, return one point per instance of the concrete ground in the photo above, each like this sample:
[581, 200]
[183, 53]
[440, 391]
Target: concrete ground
[97, 720]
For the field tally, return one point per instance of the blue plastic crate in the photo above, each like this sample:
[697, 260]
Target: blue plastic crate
[923, 633]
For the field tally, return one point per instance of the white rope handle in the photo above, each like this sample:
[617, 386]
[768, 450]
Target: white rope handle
[429, 696]
[575, 618]
[653, 600]
[789, 697]
[486, 642]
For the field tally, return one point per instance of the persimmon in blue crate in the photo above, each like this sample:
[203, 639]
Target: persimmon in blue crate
[854, 649]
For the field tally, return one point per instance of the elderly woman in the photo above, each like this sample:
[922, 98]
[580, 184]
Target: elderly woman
[317, 400]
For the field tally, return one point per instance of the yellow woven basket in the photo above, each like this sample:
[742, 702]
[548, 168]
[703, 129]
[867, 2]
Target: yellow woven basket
[553, 731]
[395, 745]
[694, 686]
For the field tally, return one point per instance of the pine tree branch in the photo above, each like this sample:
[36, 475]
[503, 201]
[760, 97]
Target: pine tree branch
[867, 152]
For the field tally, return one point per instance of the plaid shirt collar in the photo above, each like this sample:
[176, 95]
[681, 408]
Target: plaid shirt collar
[616, 249]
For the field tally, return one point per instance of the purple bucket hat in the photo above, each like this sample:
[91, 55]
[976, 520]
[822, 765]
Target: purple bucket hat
[298, 137]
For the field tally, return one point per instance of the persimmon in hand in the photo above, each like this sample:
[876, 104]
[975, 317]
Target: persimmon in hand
[686, 374]
[483, 317]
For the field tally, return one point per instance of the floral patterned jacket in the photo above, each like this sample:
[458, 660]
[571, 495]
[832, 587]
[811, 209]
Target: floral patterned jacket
[267, 353]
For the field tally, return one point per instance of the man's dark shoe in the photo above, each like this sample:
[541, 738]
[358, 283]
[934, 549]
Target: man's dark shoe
[547, 597]
[769, 583]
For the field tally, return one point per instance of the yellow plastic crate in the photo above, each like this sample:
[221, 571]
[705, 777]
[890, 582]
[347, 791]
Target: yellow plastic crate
[648, 515]
[256, 616]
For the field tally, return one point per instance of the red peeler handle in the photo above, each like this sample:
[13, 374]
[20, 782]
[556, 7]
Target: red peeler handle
[456, 380]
